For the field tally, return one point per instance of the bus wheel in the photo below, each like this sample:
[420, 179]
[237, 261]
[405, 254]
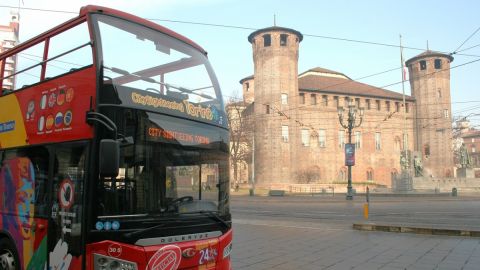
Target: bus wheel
[8, 259]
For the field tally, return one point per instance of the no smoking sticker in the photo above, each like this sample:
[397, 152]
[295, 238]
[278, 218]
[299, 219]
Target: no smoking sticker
[65, 194]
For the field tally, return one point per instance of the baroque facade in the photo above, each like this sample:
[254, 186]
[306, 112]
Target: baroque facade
[296, 136]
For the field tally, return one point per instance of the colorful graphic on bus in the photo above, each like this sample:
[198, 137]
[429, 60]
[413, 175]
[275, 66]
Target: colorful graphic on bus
[17, 181]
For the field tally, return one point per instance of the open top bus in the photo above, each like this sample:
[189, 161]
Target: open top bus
[113, 148]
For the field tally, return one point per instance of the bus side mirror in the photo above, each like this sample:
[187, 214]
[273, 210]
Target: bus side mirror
[109, 158]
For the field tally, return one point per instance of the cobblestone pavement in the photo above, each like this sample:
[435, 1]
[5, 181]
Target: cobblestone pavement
[283, 246]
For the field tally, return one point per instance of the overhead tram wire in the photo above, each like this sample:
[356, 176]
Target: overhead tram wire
[254, 29]
[247, 28]
[466, 40]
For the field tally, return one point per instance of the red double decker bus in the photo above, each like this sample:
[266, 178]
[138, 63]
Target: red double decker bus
[113, 148]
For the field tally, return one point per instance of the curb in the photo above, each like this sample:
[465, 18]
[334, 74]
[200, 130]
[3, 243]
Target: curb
[417, 230]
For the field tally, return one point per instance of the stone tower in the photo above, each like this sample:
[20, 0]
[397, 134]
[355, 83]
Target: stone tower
[430, 86]
[275, 57]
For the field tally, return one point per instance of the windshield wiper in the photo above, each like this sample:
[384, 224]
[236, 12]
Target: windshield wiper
[213, 215]
[130, 234]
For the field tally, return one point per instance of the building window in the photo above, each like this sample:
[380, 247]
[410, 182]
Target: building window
[397, 107]
[426, 150]
[407, 108]
[473, 148]
[325, 100]
[302, 98]
[305, 137]
[285, 133]
[369, 175]
[341, 138]
[267, 109]
[283, 39]
[387, 103]
[357, 102]
[378, 105]
[337, 101]
[396, 144]
[267, 40]
[367, 102]
[322, 138]
[313, 99]
[378, 145]
[438, 63]
[423, 65]
[346, 102]
[439, 93]
[284, 99]
[445, 113]
[358, 139]
[473, 139]
[247, 86]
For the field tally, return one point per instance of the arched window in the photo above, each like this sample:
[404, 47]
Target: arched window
[397, 144]
[394, 173]
[426, 150]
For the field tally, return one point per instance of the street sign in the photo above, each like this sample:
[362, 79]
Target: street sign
[349, 154]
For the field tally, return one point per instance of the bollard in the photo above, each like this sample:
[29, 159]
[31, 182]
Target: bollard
[365, 211]
[366, 206]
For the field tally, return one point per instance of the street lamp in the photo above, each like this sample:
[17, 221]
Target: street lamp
[350, 124]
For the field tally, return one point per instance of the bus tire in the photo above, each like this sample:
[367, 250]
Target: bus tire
[8, 255]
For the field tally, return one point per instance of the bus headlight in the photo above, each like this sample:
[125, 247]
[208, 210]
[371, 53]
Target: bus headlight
[102, 262]
[227, 250]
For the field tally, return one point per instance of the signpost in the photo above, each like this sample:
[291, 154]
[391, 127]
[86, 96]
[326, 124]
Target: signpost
[350, 154]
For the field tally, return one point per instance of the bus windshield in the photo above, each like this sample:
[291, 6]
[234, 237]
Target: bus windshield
[168, 167]
[154, 63]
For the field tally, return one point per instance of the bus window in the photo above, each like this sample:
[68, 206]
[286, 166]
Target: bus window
[28, 66]
[72, 38]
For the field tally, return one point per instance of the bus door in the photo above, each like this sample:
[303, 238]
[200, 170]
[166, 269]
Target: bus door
[65, 223]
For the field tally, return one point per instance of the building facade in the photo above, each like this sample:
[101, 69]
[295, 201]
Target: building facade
[296, 134]
[8, 39]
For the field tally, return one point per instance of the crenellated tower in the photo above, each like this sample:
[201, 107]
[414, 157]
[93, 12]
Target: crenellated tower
[275, 57]
[430, 86]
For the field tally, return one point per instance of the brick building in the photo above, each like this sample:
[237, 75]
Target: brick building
[296, 135]
[8, 39]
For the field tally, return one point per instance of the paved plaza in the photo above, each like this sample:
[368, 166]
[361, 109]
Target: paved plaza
[268, 240]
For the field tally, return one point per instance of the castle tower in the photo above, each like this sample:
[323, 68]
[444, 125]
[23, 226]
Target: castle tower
[275, 57]
[430, 85]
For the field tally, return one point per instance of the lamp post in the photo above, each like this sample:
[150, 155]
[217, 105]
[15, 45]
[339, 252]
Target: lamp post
[349, 125]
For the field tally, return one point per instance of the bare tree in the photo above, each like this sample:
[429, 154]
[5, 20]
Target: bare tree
[240, 132]
[308, 176]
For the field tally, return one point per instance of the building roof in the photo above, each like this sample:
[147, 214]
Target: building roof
[323, 70]
[328, 81]
[246, 79]
[428, 53]
[275, 29]
[471, 133]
